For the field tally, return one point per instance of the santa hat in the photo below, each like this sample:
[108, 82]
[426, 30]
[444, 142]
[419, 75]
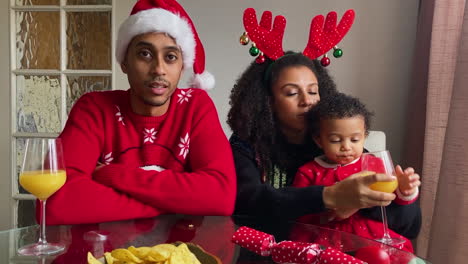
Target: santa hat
[169, 17]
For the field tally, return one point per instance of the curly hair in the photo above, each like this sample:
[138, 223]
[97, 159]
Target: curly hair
[251, 116]
[338, 106]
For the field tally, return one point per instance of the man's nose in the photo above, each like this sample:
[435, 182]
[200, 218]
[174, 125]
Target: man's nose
[158, 67]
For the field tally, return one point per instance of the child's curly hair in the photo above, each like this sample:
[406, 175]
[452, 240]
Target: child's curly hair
[338, 106]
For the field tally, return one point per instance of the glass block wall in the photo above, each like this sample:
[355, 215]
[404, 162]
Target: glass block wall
[62, 49]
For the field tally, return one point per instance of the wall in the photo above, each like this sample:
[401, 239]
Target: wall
[376, 64]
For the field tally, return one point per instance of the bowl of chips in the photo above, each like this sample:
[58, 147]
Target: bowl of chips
[175, 253]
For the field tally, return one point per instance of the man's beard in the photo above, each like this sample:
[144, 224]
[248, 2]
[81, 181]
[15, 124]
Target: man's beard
[152, 103]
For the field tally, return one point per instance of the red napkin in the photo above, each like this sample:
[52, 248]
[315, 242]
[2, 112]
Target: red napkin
[254, 240]
[289, 251]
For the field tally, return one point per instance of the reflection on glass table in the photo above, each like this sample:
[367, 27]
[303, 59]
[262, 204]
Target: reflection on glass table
[212, 233]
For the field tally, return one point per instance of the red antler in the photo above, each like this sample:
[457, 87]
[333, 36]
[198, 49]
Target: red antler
[323, 38]
[268, 40]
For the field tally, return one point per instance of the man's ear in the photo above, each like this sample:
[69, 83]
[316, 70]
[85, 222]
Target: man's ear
[123, 66]
[318, 141]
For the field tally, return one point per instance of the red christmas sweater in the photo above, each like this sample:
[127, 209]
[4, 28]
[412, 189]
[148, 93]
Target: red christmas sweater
[319, 172]
[180, 162]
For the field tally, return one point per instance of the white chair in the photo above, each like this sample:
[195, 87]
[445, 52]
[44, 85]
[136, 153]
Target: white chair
[376, 141]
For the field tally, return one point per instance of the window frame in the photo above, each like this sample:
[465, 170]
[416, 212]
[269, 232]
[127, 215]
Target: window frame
[63, 72]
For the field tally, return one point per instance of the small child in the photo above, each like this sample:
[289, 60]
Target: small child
[339, 125]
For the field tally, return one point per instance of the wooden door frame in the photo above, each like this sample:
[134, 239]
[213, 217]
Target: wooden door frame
[5, 119]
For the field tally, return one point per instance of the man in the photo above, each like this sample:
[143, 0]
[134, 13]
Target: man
[154, 148]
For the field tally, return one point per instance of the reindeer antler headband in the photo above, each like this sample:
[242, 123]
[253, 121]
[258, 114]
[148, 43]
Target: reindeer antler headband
[267, 40]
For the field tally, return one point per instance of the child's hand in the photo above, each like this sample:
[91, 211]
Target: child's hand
[408, 181]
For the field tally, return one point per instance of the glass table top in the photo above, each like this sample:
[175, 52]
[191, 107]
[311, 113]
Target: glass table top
[212, 233]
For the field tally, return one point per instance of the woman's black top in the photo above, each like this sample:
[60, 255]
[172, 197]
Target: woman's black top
[260, 199]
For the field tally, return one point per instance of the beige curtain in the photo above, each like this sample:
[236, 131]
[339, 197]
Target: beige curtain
[438, 128]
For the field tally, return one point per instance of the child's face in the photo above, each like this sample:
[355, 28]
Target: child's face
[342, 140]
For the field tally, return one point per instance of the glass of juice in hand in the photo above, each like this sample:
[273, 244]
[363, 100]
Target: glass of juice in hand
[380, 162]
[42, 174]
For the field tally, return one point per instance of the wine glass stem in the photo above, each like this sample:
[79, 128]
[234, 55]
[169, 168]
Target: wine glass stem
[384, 221]
[42, 231]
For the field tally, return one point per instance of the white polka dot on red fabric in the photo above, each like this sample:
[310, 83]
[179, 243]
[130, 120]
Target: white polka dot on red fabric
[253, 240]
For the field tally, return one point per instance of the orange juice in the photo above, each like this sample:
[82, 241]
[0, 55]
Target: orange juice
[387, 187]
[42, 184]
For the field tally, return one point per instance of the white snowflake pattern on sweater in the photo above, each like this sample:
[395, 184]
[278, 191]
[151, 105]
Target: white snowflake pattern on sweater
[119, 116]
[107, 158]
[149, 135]
[184, 96]
[184, 145]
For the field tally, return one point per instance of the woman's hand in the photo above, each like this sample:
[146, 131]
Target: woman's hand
[354, 193]
[341, 213]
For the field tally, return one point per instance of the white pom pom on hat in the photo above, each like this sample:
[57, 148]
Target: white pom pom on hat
[169, 17]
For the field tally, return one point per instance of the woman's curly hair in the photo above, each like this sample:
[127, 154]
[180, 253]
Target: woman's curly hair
[251, 117]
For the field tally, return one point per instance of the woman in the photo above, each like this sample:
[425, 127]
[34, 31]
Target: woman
[268, 104]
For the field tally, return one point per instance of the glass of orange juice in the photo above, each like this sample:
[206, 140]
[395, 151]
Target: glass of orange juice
[380, 162]
[42, 174]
